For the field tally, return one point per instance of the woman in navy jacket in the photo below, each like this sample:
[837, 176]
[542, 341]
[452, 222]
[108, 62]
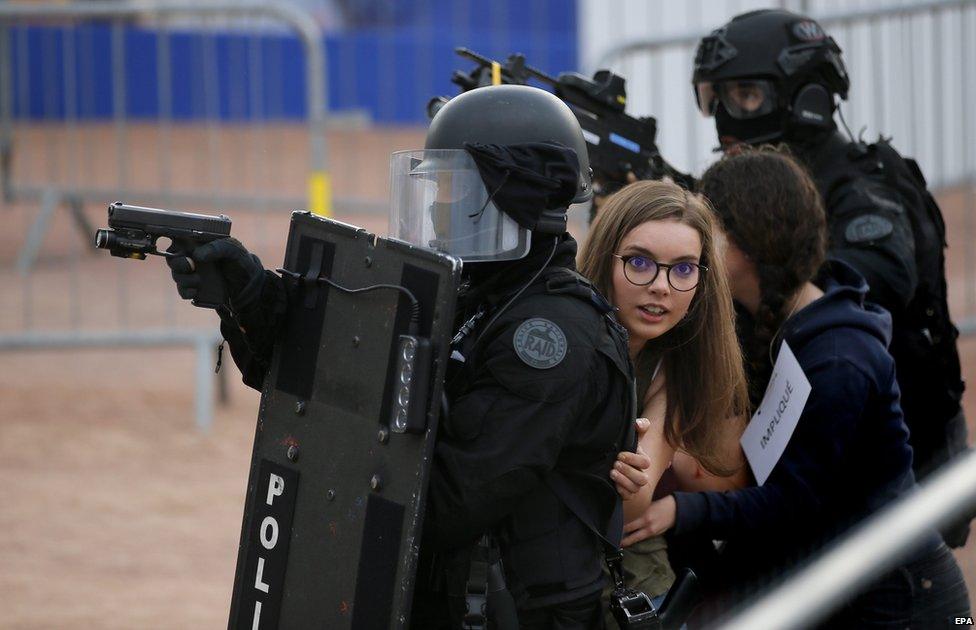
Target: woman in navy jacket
[849, 454]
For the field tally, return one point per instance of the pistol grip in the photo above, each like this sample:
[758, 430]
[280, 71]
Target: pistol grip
[212, 292]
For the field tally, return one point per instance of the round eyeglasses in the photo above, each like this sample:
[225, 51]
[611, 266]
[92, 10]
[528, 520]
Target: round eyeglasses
[642, 271]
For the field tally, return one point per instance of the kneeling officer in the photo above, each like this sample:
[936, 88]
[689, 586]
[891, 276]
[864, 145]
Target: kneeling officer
[539, 389]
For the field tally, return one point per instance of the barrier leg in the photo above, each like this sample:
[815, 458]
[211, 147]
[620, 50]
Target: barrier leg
[38, 229]
[87, 230]
[204, 383]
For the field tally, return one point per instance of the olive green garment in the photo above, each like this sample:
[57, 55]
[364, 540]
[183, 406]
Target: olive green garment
[646, 568]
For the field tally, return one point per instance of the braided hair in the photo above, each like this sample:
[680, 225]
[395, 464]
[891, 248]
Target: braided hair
[770, 209]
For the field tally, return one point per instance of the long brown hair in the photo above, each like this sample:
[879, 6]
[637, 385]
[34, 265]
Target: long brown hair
[705, 382]
[770, 208]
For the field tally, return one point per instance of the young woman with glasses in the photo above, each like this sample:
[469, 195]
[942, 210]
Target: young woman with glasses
[651, 250]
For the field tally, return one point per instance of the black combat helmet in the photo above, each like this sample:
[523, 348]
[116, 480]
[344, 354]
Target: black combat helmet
[501, 165]
[509, 115]
[769, 75]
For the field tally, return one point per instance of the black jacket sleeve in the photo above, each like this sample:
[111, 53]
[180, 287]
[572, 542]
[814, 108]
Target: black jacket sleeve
[871, 230]
[251, 333]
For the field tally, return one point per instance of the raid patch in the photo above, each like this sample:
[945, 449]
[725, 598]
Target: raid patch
[539, 343]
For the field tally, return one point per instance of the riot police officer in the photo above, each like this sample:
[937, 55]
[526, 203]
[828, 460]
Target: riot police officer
[539, 384]
[539, 388]
[771, 76]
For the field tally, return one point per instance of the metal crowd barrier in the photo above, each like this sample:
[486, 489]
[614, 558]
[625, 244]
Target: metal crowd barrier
[233, 152]
[202, 341]
[281, 12]
[874, 547]
[911, 67]
[75, 134]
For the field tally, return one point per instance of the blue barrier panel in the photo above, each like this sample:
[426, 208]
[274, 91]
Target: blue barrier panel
[42, 74]
[389, 67]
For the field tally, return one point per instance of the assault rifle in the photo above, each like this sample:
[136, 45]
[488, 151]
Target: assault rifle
[617, 143]
[134, 230]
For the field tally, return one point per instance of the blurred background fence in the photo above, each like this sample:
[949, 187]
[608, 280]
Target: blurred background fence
[255, 109]
[112, 100]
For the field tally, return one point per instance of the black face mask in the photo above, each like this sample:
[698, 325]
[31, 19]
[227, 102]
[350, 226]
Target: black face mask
[527, 179]
[759, 130]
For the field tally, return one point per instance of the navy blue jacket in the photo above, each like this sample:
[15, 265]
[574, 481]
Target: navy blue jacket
[849, 454]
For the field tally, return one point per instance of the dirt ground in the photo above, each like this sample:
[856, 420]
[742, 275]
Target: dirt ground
[117, 512]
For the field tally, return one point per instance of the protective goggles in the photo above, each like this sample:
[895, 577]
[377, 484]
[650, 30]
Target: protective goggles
[742, 98]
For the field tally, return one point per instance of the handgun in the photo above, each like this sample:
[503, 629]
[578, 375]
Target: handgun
[133, 231]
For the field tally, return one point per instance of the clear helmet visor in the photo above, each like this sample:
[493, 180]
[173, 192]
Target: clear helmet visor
[439, 201]
[742, 98]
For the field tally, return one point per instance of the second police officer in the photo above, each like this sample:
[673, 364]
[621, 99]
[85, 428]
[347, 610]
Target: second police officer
[539, 387]
[771, 76]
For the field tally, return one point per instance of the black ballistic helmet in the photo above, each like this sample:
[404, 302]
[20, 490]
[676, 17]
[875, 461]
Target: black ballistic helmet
[509, 115]
[777, 55]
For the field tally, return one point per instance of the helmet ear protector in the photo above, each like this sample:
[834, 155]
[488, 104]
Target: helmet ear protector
[813, 103]
[813, 106]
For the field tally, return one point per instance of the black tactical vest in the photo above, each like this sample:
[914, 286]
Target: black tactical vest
[924, 338]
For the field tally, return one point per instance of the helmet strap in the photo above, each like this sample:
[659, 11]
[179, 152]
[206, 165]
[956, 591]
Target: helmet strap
[477, 215]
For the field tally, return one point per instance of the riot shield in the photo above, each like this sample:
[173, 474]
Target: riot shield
[345, 433]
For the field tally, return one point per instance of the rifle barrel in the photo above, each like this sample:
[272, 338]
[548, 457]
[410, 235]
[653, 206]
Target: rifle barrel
[542, 76]
[472, 55]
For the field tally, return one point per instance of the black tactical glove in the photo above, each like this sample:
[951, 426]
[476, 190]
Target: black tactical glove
[240, 271]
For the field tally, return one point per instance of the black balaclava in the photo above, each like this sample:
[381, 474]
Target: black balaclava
[768, 128]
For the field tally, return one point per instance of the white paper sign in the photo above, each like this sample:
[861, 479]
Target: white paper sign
[772, 425]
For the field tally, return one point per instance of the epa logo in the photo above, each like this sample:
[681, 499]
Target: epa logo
[964, 621]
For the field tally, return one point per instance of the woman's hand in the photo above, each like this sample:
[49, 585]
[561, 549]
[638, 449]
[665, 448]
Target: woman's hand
[656, 519]
[629, 472]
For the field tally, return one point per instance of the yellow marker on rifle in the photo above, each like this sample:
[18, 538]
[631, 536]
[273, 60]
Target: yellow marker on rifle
[320, 193]
[496, 73]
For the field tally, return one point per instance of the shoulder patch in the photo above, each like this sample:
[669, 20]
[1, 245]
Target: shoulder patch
[866, 228]
[539, 343]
